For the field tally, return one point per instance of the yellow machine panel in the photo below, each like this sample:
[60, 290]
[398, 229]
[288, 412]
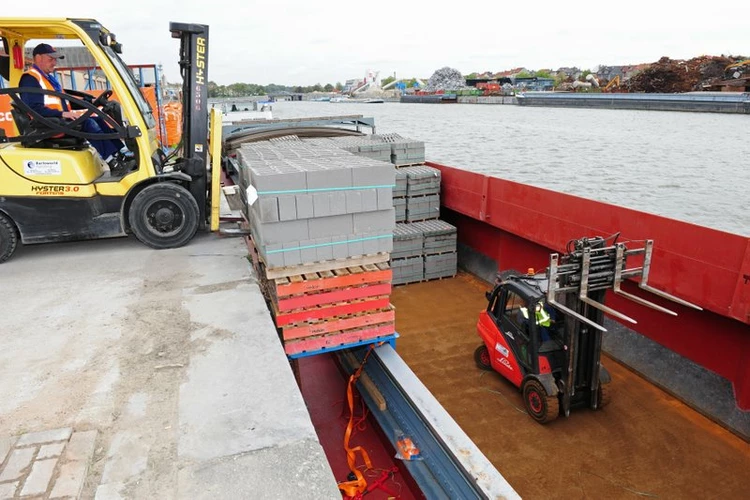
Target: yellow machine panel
[45, 172]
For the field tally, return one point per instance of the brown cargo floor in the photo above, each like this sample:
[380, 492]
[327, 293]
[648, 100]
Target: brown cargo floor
[644, 443]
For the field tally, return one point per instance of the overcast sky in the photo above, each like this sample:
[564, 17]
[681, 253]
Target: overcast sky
[304, 42]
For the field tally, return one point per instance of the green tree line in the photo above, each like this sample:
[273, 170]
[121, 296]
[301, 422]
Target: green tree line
[251, 89]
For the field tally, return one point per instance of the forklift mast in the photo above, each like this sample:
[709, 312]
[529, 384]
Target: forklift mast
[577, 284]
[194, 70]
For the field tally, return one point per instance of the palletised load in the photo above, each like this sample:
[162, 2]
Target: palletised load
[322, 224]
[316, 203]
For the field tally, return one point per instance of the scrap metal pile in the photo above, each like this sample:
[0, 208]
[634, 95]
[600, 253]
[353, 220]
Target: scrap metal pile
[670, 75]
[445, 79]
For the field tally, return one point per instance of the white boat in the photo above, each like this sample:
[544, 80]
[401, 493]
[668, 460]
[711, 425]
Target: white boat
[232, 113]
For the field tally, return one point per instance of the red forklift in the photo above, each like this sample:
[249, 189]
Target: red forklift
[543, 332]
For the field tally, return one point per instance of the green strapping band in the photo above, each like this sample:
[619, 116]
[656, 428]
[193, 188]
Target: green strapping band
[305, 247]
[317, 190]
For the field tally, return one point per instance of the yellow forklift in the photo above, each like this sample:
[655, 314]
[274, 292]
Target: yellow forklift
[55, 187]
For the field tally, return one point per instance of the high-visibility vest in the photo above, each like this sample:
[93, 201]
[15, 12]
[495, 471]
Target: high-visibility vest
[50, 101]
[542, 318]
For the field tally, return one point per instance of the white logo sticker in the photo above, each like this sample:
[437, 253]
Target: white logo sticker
[502, 350]
[42, 167]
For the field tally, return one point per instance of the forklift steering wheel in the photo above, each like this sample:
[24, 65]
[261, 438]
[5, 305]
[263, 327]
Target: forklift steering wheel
[102, 99]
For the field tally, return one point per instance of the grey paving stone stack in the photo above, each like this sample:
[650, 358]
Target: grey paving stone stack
[316, 202]
[421, 180]
[408, 270]
[422, 192]
[399, 206]
[420, 208]
[444, 265]
[401, 183]
[404, 151]
[399, 196]
[367, 146]
[439, 248]
[408, 241]
[406, 258]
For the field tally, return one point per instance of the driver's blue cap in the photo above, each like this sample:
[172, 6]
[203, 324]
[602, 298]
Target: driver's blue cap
[45, 48]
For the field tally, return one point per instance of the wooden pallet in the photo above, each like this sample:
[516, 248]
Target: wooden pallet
[424, 219]
[329, 297]
[338, 340]
[329, 310]
[336, 325]
[333, 279]
[423, 280]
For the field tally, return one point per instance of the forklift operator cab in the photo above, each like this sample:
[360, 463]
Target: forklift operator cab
[54, 186]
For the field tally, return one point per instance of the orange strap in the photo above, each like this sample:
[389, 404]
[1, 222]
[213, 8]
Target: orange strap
[359, 485]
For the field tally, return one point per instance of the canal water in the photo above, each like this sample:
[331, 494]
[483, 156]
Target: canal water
[693, 167]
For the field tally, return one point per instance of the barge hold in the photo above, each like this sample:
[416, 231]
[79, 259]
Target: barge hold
[710, 102]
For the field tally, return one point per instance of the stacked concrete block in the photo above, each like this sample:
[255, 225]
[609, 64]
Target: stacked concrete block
[292, 243]
[440, 266]
[391, 148]
[316, 202]
[421, 180]
[399, 205]
[422, 192]
[420, 208]
[408, 241]
[367, 146]
[408, 270]
[439, 236]
[439, 248]
[404, 151]
[399, 196]
[401, 183]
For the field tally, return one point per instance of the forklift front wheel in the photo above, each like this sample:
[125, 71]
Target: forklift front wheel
[482, 358]
[542, 407]
[8, 238]
[164, 215]
[604, 395]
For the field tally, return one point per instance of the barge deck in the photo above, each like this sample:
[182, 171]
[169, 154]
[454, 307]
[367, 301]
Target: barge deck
[644, 443]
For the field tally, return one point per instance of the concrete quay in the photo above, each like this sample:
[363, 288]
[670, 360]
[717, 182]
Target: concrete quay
[134, 373]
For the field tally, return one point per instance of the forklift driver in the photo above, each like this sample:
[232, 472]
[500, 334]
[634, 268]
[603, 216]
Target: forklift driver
[41, 75]
[542, 318]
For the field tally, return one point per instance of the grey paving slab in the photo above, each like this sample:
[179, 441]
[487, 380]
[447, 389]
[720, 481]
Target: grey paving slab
[39, 477]
[19, 459]
[70, 480]
[154, 361]
[8, 490]
[80, 446]
[6, 444]
[44, 436]
[50, 450]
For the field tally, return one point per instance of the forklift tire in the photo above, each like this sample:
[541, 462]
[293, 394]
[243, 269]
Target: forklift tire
[542, 407]
[604, 395]
[164, 215]
[482, 358]
[8, 238]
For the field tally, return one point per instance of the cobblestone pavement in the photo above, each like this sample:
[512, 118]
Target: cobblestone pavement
[45, 465]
